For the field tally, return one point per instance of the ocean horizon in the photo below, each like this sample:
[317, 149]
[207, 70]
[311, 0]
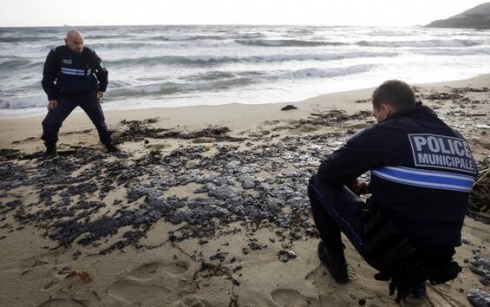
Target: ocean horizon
[187, 65]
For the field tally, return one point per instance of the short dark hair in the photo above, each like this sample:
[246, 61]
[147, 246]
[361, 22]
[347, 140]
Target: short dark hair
[395, 93]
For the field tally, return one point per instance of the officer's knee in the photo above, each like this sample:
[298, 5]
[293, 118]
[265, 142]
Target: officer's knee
[51, 124]
[47, 124]
[314, 189]
[316, 182]
[313, 186]
[313, 179]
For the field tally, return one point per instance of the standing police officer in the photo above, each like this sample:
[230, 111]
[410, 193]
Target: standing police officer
[422, 172]
[74, 76]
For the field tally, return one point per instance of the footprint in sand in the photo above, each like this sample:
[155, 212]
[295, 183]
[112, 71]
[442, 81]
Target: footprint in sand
[147, 271]
[40, 260]
[292, 298]
[62, 303]
[191, 301]
[153, 279]
[305, 129]
[135, 291]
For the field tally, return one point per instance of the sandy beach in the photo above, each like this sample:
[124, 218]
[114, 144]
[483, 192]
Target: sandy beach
[205, 206]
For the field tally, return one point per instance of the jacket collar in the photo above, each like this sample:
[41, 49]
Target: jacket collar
[417, 109]
[67, 49]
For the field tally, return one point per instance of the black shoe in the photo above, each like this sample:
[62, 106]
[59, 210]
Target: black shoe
[112, 148]
[334, 260]
[417, 293]
[50, 152]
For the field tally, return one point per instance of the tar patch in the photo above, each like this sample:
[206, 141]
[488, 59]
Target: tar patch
[443, 152]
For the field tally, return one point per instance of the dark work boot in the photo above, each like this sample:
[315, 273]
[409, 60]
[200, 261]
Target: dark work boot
[111, 148]
[50, 152]
[334, 260]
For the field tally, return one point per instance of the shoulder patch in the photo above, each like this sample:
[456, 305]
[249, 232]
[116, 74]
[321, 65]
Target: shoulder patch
[358, 133]
[442, 152]
[362, 133]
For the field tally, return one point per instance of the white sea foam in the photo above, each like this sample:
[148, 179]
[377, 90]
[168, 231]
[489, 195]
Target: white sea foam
[437, 43]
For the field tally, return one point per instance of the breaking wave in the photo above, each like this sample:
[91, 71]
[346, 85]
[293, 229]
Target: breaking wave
[325, 73]
[222, 80]
[23, 103]
[24, 39]
[17, 63]
[422, 43]
[287, 43]
[210, 60]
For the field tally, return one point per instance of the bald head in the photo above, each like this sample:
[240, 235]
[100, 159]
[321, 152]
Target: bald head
[74, 40]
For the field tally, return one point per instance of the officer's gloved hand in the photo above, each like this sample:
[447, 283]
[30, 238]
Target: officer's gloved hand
[52, 104]
[406, 276]
[359, 187]
[401, 288]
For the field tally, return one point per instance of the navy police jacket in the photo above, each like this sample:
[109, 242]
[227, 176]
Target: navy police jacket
[422, 172]
[71, 73]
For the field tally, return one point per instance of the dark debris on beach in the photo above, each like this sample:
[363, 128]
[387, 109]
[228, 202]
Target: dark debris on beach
[139, 130]
[262, 186]
[252, 187]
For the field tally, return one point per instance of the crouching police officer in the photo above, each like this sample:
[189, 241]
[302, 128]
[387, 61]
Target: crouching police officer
[74, 76]
[422, 172]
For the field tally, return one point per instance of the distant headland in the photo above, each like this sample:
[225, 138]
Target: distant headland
[475, 18]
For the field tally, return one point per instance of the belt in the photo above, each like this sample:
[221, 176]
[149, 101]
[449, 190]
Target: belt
[67, 94]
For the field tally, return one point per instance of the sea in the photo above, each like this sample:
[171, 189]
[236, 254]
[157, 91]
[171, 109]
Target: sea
[172, 66]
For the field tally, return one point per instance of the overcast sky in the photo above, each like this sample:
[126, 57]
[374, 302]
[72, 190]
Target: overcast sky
[265, 12]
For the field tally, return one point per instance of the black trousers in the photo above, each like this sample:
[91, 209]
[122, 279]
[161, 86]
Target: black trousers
[337, 209]
[66, 104]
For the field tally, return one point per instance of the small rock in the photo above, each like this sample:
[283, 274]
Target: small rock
[290, 174]
[289, 107]
[233, 164]
[478, 298]
[286, 255]
[219, 256]
[314, 163]
[248, 185]
[305, 224]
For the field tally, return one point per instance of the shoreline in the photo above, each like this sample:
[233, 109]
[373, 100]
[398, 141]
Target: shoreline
[137, 107]
[189, 115]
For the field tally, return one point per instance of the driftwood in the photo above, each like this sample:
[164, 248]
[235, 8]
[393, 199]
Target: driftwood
[479, 207]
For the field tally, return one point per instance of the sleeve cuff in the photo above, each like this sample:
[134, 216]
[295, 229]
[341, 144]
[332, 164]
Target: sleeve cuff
[52, 97]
